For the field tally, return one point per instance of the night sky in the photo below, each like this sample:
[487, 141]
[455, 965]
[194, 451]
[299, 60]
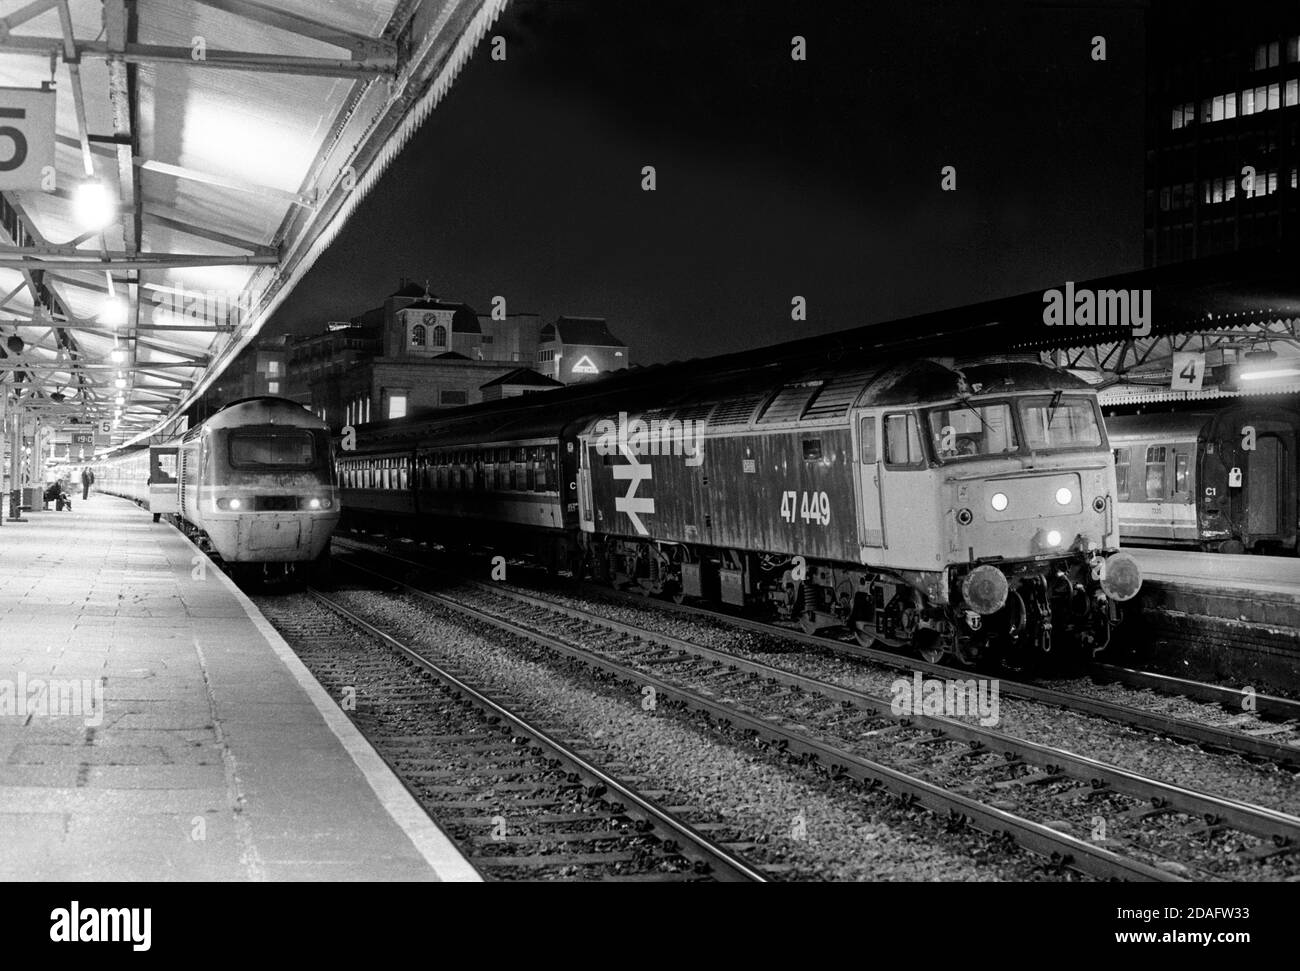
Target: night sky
[775, 178]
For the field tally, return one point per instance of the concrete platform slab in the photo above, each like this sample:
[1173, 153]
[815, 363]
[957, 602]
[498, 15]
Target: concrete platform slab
[153, 726]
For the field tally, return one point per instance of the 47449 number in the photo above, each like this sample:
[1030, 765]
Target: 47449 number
[811, 507]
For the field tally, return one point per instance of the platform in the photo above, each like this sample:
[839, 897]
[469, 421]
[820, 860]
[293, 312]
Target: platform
[190, 743]
[1219, 617]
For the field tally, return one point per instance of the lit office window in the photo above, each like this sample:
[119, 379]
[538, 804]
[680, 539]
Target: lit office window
[1292, 93]
[272, 368]
[1293, 49]
[1229, 189]
[1274, 96]
[273, 387]
[397, 404]
[1207, 111]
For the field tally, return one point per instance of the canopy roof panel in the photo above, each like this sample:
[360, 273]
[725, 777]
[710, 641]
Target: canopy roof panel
[235, 137]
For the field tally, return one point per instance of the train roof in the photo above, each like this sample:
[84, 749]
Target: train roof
[259, 410]
[764, 396]
[1179, 425]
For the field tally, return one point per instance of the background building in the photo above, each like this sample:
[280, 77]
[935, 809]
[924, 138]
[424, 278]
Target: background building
[1223, 111]
[575, 349]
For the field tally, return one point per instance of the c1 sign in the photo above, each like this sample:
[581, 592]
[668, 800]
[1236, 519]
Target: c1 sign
[26, 137]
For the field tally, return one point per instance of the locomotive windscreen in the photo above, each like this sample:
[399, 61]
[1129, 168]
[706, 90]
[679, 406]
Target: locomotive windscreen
[277, 448]
[1061, 423]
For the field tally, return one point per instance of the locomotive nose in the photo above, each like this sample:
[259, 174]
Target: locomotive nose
[1121, 578]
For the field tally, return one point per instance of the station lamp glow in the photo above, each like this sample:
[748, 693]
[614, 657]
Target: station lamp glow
[1273, 374]
[113, 312]
[119, 383]
[117, 355]
[93, 205]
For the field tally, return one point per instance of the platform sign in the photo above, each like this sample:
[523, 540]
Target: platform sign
[1189, 371]
[26, 138]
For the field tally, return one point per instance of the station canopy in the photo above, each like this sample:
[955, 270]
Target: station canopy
[201, 155]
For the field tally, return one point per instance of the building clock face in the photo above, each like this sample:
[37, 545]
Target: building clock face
[429, 320]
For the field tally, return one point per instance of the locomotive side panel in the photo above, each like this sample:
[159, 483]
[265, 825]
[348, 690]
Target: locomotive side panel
[786, 492]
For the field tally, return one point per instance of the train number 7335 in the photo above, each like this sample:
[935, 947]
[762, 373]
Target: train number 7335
[811, 507]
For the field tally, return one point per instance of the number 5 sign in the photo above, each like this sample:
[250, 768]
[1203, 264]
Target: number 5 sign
[26, 137]
[1189, 371]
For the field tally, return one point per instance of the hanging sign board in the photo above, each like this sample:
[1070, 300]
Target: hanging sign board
[26, 138]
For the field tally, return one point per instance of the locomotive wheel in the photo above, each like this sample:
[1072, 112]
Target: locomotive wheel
[929, 645]
[808, 623]
[862, 634]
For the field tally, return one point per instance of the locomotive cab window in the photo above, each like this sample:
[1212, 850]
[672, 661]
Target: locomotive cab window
[967, 430]
[812, 449]
[869, 450]
[279, 448]
[902, 442]
[1060, 422]
[1121, 472]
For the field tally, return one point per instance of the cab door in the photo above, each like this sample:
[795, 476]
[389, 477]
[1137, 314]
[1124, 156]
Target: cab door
[866, 451]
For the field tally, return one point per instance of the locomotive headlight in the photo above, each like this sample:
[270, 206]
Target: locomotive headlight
[1054, 537]
[313, 503]
[1064, 496]
[230, 504]
[999, 501]
[319, 502]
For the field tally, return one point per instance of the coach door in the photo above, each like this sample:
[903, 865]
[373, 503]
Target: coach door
[1264, 487]
[871, 531]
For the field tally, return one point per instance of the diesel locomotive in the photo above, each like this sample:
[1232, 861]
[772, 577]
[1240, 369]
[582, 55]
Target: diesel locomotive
[957, 508]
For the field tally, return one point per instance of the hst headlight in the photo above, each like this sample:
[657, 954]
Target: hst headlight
[319, 502]
[230, 503]
[1053, 537]
[999, 501]
[1064, 496]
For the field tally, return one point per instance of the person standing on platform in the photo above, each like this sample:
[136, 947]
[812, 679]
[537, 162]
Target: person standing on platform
[87, 480]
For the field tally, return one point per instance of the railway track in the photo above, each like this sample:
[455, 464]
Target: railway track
[1042, 796]
[1253, 725]
[520, 802]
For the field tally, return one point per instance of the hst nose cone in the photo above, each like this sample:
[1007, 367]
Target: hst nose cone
[985, 589]
[1121, 578]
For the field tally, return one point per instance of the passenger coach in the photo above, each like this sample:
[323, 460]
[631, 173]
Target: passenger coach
[1222, 481]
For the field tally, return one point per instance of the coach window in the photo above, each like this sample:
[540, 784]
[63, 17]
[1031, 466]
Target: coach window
[812, 449]
[530, 470]
[1156, 479]
[552, 484]
[1121, 472]
[1180, 476]
[902, 442]
[869, 440]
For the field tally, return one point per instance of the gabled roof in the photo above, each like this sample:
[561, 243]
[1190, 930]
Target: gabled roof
[591, 331]
[524, 376]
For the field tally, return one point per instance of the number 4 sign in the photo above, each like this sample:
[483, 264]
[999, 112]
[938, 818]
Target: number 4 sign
[1189, 371]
